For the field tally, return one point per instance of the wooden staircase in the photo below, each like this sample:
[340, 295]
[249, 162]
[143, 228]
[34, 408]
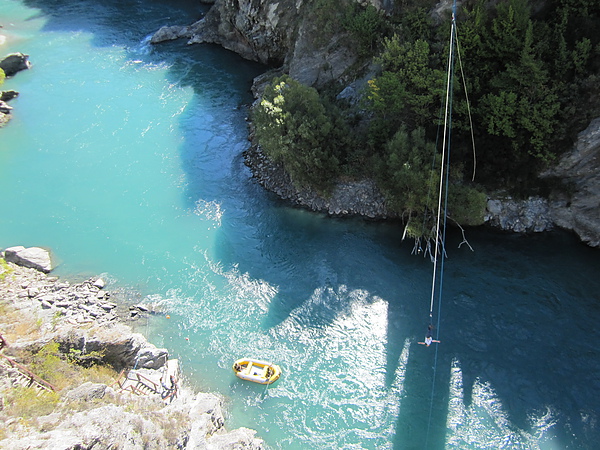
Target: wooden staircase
[164, 385]
[138, 384]
[20, 374]
[23, 376]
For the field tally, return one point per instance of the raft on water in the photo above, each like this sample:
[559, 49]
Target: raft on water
[261, 372]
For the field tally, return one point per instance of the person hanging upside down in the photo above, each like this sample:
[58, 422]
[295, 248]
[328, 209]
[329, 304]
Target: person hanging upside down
[428, 338]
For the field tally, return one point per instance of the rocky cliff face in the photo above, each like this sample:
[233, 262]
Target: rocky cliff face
[577, 207]
[36, 309]
[278, 33]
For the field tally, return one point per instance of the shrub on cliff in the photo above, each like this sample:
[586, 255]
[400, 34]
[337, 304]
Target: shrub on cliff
[28, 403]
[67, 370]
[293, 128]
[409, 178]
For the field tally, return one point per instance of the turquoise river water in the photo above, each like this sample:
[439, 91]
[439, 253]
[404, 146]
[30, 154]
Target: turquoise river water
[126, 160]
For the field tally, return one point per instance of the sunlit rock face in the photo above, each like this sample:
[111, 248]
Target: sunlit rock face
[282, 33]
[32, 257]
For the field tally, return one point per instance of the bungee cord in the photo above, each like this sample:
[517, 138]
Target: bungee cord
[442, 199]
[462, 76]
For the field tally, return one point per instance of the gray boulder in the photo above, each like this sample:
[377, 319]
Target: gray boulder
[33, 257]
[87, 391]
[151, 357]
[241, 438]
[119, 347]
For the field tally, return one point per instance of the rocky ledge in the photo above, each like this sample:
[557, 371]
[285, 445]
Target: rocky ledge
[38, 309]
[349, 198]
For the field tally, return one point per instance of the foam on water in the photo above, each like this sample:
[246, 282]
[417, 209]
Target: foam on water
[484, 423]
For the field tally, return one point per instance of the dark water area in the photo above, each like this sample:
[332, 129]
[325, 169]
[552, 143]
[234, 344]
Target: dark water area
[126, 159]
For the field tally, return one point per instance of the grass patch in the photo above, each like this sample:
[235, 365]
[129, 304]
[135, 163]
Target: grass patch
[63, 371]
[5, 269]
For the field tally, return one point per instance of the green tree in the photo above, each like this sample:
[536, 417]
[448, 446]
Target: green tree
[2, 76]
[409, 89]
[293, 128]
[366, 25]
[406, 171]
[523, 105]
[409, 178]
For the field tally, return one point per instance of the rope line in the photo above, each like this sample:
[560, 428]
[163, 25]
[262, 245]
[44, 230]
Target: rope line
[430, 184]
[443, 171]
[462, 75]
[443, 192]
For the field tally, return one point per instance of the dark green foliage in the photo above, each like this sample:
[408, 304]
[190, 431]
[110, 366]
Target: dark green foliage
[415, 23]
[409, 178]
[406, 172]
[466, 204]
[366, 26]
[524, 75]
[293, 127]
[409, 89]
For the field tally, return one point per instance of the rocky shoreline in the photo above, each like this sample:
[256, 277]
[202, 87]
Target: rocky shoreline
[10, 65]
[84, 321]
[577, 212]
[350, 198]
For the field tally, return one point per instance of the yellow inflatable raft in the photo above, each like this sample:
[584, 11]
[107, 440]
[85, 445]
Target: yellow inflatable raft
[261, 372]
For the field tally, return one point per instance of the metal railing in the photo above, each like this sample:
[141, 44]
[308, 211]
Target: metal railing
[140, 382]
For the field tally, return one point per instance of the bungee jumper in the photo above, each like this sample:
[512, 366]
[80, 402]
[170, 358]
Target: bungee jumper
[428, 337]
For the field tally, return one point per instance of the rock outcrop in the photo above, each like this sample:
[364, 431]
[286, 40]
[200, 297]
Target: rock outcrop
[84, 322]
[13, 63]
[276, 33]
[521, 216]
[181, 425]
[348, 198]
[577, 206]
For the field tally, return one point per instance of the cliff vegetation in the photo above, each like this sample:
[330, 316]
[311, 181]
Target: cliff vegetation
[529, 68]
